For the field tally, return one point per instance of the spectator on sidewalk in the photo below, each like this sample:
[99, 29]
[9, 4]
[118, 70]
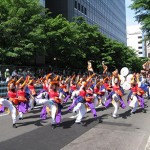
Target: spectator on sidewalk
[14, 73]
[24, 73]
[19, 72]
[7, 75]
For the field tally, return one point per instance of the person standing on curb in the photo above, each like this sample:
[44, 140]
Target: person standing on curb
[7, 75]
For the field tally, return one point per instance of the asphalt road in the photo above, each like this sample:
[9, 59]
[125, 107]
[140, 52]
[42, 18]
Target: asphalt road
[127, 132]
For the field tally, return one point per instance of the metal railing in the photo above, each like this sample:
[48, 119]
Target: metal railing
[3, 89]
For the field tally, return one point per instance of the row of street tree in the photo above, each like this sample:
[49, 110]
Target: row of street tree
[27, 30]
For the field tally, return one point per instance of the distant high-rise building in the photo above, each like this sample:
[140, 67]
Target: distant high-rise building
[147, 49]
[135, 40]
[42, 2]
[109, 15]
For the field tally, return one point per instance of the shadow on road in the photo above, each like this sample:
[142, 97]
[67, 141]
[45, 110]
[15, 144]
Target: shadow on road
[125, 114]
[36, 123]
[140, 110]
[33, 116]
[98, 120]
[66, 124]
[69, 123]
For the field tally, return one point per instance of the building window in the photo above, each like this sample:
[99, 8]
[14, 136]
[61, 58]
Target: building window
[82, 8]
[85, 12]
[139, 37]
[140, 42]
[79, 6]
[140, 52]
[148, 54]
[139, 47]
[75, 5]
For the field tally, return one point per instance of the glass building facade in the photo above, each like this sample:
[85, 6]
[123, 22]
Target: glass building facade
[109, 15]
[42, 2]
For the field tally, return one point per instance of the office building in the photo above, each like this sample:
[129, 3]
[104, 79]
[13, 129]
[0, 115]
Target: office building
[135, 40]
[42, 2]
[148, 49]
[109, 15]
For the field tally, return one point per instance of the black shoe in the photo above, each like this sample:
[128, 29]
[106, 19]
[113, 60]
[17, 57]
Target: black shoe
[95, 116]
[145, 106]
[144, 111]
[96, 119]
[100, 121]
[133, 112]
[14, 126]
[53, 126]
[78, 122]
[20, 118]
[83, 123]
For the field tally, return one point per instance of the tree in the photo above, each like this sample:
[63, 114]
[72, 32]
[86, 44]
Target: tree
[27, 30]
[21, 30]
[88, 42]
[60, 35]
[142, 11]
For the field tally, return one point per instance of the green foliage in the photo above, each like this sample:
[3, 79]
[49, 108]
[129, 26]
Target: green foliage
[21, 29]
[27, 31]
[142, 10]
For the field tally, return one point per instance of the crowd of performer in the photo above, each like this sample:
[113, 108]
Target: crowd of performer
[85, 92]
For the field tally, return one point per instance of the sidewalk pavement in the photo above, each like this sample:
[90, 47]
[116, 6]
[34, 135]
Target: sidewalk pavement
[104, 137]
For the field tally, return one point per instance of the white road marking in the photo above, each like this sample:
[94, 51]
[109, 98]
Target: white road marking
[3, 115]
[38, 107]
[72, 117]
[147, 147]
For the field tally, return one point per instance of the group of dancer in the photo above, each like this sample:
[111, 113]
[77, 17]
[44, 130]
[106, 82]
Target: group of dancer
[86, 93]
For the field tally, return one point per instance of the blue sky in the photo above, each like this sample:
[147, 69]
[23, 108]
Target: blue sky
[130, 20]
